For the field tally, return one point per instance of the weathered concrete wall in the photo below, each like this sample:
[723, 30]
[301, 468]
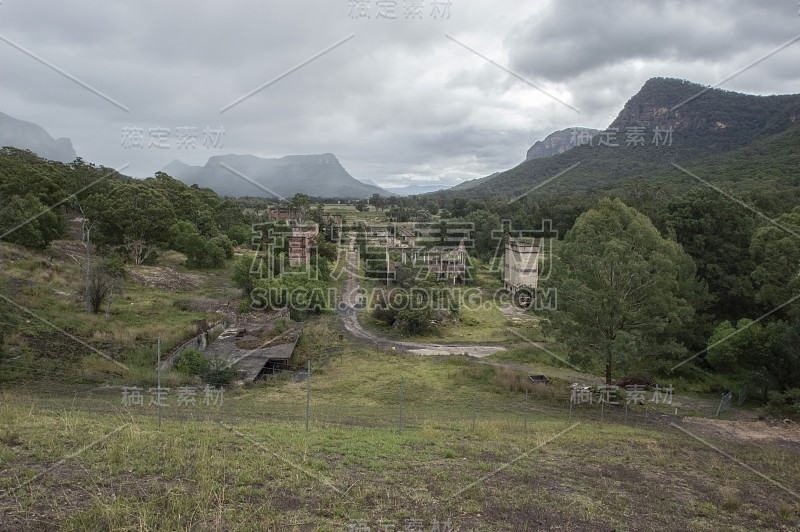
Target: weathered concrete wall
[198, 343]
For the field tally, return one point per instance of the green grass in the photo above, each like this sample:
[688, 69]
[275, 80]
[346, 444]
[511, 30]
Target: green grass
[350, 214]
[138, 317]
[467, 448]
[249, 464]
[480, 320]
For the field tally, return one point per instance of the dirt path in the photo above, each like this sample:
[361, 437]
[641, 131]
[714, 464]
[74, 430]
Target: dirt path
[352, 301]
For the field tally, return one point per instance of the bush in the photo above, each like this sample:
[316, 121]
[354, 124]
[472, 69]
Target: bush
[417, 321]
[785, 403]
[240, 235]
[242, 275]
[204, 253]
[219, 373]
[113, 265]
[225, 244]
[183, 304]
[191, 362]
[28, 222]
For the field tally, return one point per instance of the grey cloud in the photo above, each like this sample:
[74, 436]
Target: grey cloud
[571, 37]
[398, 102]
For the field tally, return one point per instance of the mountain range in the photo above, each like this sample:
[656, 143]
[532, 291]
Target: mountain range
[318, 176]
[29, 136]
[668, 122]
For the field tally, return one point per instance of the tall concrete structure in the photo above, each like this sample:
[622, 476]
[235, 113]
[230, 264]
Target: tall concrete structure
[521, 265]
[300, 243]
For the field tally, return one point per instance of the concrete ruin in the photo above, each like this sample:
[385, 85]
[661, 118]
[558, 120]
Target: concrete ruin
[521, 266]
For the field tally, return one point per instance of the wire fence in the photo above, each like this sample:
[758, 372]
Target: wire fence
[400, 407]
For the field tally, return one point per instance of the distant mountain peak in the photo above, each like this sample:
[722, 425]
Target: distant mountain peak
[316, 175]
[684, 105]
[30, 136]
[674, 119]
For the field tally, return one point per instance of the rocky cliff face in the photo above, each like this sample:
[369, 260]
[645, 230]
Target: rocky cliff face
[29, 136]
[559, 142]
[705, 122]
[685, 106]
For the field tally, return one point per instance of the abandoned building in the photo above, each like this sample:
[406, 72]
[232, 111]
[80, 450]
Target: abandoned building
[333, 227]
[285, 214]
[301, 242]
[521, 266]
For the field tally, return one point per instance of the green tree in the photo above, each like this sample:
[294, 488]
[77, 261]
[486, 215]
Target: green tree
[716, 233]
[776, 252]
[377, 201]
[133, 216]
[224, 243]
[24, 220]
[486, 233]
[618, 285]
[300, 201]
[768, 352]
[240, 235]
[181, 235]
[203, 253]
[245, 272]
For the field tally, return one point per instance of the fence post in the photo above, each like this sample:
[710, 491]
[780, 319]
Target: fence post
[400, 420]
[725, 402]
[526, 410]
[159, 382]
[474, 405]
[308, 393]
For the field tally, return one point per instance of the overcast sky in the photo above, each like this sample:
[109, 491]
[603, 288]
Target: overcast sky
[397, 100]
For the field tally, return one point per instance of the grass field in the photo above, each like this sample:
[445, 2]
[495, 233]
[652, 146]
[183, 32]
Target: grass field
[394, 441]
[74, 458]
[351, 215]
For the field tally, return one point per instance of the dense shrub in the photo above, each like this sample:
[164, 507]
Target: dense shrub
[785, 403]
[191, 362]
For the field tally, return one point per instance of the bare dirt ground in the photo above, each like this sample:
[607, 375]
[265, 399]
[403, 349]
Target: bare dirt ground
[781, 433]
[163, 277]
